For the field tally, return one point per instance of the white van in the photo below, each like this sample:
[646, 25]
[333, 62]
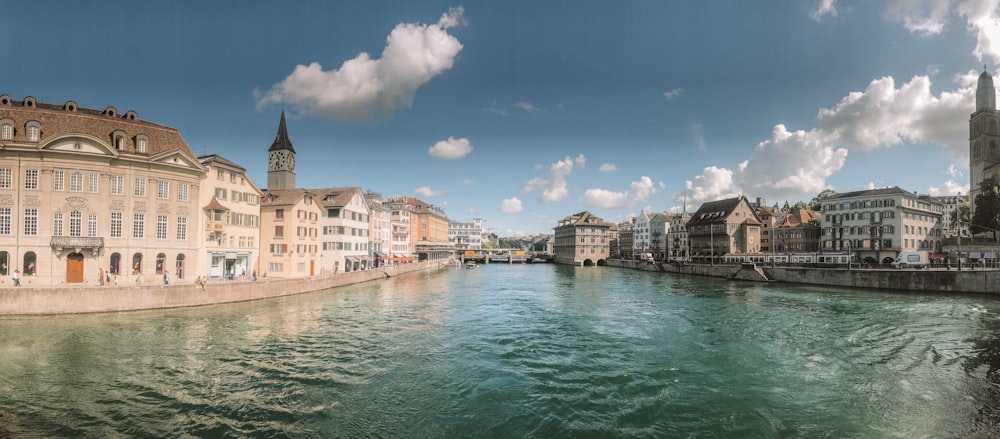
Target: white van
[911, 260]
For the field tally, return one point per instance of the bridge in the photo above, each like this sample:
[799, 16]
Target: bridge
[509, 255]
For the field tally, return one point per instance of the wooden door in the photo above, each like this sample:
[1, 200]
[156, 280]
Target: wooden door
[74, 268]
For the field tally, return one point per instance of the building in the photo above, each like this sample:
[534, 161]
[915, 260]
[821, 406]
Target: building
[626, 240]
[399, 222]
[466, 235]
[677, 237]
[641, 243]
[345, 221]
[84, 191]
[281, 160]
[951, 204]
[659, 228]
[878, 224]
[231, 219]
[797, 232]
[582, 239]
[379, 226]
[984, 137]
[289, 234]
[724, 227]
[428, 227]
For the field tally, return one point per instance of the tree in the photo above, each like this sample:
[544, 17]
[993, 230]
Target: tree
[800, 206]
[987, 216]
[959, 216]
[817, 201]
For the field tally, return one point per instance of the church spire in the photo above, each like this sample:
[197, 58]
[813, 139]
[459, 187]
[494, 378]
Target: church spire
[281, 140]
[986, 94]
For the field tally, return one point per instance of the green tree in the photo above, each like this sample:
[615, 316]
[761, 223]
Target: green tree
[817, 201]
[800, 206]
[958, 217]
[987, 215]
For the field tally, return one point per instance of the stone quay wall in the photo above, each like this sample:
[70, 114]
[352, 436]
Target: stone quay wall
[978, 281]
[27, 300]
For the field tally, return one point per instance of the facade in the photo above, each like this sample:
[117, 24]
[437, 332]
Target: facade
[769, 219]
[878, 224]
[427, 222]
[582, 239]
[950, 204]
[84, 191]
[724, 227]
[626, 240]
[466, 235]
[379, 226]
[677, 237]
[345, 232]
[659, 227]
[641, 234]
[984, 137]
[399, 223]
[798, 232]
[231, 220]
[289, 234]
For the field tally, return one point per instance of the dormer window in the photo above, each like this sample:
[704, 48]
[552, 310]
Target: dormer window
[29, 102]
[5, 100]
[33, 130]
[141, 143]
[118, 140]
[6, 129]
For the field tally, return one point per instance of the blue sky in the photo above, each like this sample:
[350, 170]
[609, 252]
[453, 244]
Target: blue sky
[523, 112]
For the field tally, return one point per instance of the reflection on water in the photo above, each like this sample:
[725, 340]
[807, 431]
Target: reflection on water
[516, 351]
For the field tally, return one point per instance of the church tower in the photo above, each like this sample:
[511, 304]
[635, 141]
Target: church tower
[984, 137]
[281, 160]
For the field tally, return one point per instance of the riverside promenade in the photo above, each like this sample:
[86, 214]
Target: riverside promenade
[929, 280]
[28, 300]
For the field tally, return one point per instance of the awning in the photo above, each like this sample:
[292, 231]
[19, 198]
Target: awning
[402, 258]
[380, 255]
[974, 255]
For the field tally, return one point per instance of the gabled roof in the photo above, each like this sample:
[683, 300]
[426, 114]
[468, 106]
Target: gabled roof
[283, 197]
[215, 158]
[337, 196]
[717, 211]
[584, 218]
[895, 190]
[281, 140]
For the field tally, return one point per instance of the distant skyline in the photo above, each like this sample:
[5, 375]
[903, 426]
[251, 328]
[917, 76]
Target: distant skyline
[522, 113]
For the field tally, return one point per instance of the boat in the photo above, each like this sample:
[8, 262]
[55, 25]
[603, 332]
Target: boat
[471, 264]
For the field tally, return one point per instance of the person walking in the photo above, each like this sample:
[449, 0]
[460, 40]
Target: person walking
[100, 276]
[17, 278]
[166, 278]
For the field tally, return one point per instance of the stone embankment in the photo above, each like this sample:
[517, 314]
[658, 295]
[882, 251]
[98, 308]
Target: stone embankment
[978, 281]
[26, 300]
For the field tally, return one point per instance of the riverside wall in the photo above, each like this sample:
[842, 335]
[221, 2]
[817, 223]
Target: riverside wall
[27, 300]
[977, 281]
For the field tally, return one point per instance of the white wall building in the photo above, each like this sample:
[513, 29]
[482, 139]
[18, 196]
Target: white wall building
[231, 219]
[641, 234]
[344, 228]
[466, 234]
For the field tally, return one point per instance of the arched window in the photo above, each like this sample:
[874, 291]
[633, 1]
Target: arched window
[137, 263]
[4, 263]
[6, 129]
[116, 263]
[179, 272]
[29, 264]
[33, 130]
[161, 259]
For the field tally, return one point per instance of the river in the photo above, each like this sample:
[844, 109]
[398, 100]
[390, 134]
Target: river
[505, 351]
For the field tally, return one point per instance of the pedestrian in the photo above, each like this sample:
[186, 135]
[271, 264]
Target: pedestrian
[254, 278]
[107, 278]
[16, 278]
[166, 278]
[200, 282]
[100, 276]
[138, 277]
[116, 279]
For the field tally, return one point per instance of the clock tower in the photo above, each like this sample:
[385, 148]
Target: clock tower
[281, 160]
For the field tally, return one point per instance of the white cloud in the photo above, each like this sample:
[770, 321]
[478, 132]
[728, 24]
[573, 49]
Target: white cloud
[790, 164]
[671, 94]
[450, 149]
[950, 187]
[511, 205]
[497, 109]
[824, 8]
[608, 167]
[553, 189]
[870, 186]
[930, 17]
[580, 159]
[425, 191]
[714, 183]
[527, 107]
[954, 172]
[363, 88]
[638, 191]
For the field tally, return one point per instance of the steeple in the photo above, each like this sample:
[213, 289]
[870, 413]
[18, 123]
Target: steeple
[986, 94]
[281, 141]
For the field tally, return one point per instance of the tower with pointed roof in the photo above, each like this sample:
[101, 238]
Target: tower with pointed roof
[281, 160]
[984, 136]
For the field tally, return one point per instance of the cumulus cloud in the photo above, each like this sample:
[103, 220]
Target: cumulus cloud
[363, 88]
[450, 149]
[553, 188]
[527, 107]
[638, 191]
[671, 94]
[580, 159]
[930, 17]
[954, 172]
[790, 164]
[950, 187]
[425, 191]
[824, 8]
[608, 167]
[511, 205]
[714, 183]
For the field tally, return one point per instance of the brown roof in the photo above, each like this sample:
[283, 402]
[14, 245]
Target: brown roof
[215, 204]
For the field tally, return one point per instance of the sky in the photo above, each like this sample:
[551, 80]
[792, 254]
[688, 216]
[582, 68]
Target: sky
[522, 112]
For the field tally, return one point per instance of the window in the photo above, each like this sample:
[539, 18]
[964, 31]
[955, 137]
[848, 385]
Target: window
[182, 222]
[6, 177]
[58, 180]
[5, 221]
[182, 192]
[76, 182]
[220, 175]
[92, 225]
[117, 185]
[34, 133]
[7, 131]
[95, 182]
[139, 189]
[57, 224]
[279, 231]
[163, 189]
[116, 224]
[140, 143]
[75, 223]
[220, 193]
[138, 225]
[279, 214]
[161, 227]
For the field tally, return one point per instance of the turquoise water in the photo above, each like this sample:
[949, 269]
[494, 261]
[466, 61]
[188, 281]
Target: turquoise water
[508, 351]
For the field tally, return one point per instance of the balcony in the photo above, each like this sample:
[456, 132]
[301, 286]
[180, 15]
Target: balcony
[213, 227]
[76, 244]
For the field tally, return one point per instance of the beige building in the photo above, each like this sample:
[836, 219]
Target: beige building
[724, 227]
[289, 234]
[582, 239]
[231, 219]
[85, 190]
